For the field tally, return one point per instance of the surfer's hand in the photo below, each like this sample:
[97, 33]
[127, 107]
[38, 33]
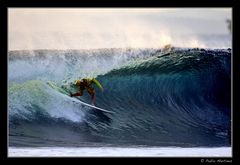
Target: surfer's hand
[71, 94]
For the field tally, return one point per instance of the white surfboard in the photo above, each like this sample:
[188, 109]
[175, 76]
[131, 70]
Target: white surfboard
[89, 105]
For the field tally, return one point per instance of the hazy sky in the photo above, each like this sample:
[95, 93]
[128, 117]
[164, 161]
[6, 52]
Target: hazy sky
[86, 28]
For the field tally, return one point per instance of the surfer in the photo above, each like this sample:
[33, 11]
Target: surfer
[87, 84]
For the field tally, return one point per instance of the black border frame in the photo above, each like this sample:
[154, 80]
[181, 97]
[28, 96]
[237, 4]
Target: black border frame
[4, 4]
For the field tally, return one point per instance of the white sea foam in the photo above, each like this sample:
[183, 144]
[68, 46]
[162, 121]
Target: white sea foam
[120, 152]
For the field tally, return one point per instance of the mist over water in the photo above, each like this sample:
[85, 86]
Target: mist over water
[31, 29]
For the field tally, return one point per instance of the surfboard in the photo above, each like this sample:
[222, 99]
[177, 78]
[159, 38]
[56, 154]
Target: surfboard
[66, 93]
[89, 105]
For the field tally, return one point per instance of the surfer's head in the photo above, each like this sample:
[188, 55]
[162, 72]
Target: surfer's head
[85, 80]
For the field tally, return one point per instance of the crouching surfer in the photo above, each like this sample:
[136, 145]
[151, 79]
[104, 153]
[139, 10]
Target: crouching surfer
[87, 84]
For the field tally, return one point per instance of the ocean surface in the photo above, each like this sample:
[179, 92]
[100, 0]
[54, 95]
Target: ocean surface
[170, 97]
[134, 151]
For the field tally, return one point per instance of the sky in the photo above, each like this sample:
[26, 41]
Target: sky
[91, 28]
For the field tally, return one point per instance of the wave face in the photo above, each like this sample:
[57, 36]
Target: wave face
[180, 97]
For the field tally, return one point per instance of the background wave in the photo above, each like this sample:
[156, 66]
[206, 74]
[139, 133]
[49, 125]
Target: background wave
[179, 97]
